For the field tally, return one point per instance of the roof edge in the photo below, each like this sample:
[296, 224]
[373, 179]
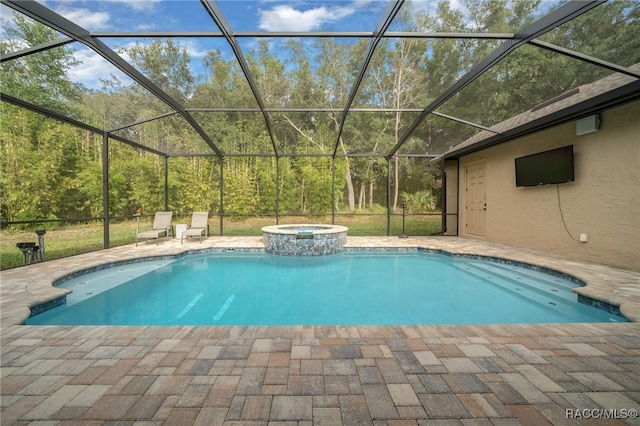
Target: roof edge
[616, 97]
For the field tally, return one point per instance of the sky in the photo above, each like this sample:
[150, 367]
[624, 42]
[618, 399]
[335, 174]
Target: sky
[187, 15]
[190, 15]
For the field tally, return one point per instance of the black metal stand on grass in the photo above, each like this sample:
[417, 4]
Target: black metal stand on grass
[30, 251]
[40, 233]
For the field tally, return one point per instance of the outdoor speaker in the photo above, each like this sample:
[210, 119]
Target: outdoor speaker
[588, 124]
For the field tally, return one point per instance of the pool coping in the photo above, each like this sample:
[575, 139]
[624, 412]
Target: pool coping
[32, 285]
[319, 229]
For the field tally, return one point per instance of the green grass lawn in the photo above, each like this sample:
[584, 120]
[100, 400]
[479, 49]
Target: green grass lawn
[62, 241]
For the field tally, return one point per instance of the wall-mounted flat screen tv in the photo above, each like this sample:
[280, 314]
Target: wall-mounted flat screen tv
[545, 168]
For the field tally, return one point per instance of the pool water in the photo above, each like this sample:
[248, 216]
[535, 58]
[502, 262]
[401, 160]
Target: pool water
[364, 288]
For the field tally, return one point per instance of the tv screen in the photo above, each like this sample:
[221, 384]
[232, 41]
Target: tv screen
[544, 168]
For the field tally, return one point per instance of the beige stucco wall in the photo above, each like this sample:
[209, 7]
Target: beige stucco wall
[603, 201]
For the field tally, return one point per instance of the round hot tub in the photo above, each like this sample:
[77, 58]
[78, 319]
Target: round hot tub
[304, 239]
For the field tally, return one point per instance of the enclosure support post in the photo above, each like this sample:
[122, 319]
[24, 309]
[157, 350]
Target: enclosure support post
[221, 209]
[404, 210]
[443, 198]
[388, 196]
[105, 189]
[166, 183]
[333, 190]
[458, 198]
[277, 190]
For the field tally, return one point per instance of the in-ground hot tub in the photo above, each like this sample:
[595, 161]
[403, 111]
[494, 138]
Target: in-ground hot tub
[304, 239]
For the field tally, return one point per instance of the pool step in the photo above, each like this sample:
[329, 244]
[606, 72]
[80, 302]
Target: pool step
[88, 285]
[550, 278]
[543, 291]
[542, 283]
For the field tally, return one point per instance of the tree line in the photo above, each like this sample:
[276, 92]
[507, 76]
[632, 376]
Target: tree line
[54, 170]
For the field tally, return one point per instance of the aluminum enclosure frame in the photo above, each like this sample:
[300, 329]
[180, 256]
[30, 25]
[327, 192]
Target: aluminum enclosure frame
[527, 35]
[512, 41]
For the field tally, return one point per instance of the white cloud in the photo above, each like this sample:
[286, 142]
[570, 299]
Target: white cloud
[132, 4]
[6, 14]
[194, 49]
[146, 26]
[85, 18]
[286, 18]
[92, 69]
[137, 4]
[455, 5]
[94, 20]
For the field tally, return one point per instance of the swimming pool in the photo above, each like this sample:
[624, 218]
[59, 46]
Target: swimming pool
[349, 288]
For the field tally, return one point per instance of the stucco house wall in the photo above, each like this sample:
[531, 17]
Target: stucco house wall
[603, 202]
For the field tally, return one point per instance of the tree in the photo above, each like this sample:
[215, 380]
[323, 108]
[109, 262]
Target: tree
[38, 158]
[39, 78]
[54, 170]
[336, 65]
[166, 64]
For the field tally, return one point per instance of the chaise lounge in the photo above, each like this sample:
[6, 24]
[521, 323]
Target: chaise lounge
[161, 225]
[199, 226]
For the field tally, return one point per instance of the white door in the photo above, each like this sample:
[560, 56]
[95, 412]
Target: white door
[476, 206]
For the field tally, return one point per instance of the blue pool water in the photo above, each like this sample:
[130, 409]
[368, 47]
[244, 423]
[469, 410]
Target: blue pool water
[347, 288]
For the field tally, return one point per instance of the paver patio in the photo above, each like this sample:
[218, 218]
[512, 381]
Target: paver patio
[326, 375]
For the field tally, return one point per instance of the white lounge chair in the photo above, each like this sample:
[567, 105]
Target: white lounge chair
[199, 226]
[161, 227]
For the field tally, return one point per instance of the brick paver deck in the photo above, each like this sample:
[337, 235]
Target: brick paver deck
[322, 375]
